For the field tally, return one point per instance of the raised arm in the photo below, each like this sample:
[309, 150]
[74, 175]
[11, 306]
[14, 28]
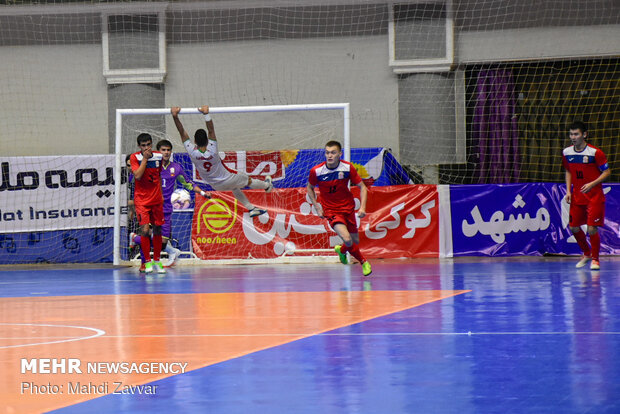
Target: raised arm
[175, 115]
[209, 122]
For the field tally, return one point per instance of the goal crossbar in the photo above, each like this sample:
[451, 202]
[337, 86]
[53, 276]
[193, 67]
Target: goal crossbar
[344, 107]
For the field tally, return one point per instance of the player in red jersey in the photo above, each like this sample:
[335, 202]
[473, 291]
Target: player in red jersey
[586, 169]
[149, 202]
[336, 201]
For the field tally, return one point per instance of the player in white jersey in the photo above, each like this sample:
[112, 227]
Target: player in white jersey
[206, 159]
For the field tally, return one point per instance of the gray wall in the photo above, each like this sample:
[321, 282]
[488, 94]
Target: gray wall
[280, 72]
[135, 95]
[54, 98]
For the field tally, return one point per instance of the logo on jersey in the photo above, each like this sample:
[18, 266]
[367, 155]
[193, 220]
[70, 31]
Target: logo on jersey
[217, 216]
[340, 175]
[585, 159]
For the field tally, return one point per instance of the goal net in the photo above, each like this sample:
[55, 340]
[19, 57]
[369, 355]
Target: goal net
[219, 227]
[460, 91]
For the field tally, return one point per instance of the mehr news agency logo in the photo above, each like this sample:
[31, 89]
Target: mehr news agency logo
[75, 366]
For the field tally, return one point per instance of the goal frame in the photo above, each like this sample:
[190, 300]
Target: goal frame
[120, 113]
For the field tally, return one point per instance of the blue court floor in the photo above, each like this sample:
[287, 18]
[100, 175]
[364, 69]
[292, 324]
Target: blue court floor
[469, 335]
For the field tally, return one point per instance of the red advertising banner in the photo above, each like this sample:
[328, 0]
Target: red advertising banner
[402, 221]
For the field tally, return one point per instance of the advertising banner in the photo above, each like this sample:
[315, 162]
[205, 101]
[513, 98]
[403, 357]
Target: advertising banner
[402, 221]
[56, 193]
[521, 219]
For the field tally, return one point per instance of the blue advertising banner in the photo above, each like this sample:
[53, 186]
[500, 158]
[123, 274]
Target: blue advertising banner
[63, 246]
[522, 219]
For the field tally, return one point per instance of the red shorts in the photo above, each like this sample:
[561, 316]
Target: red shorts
[153, 214]
[348, 219]
[592, 214]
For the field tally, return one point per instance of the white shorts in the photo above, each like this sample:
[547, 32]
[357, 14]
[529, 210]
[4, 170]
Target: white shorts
[238, 180]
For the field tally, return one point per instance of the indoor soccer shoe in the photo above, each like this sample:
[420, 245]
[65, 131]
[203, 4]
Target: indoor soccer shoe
[159, 267]
[268, 180]
[148, 267]
[584, 260]
[366, 269]
[173, 257]
[341, 256]
[142, 268]
[257, 212]
[595, 265]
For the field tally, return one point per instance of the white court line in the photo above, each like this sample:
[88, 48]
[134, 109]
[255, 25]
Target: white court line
[364, 334]
[39, 337]
[98, 332]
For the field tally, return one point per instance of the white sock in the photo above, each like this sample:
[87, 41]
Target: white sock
[242, 198]
[169, 249]
[258, 184]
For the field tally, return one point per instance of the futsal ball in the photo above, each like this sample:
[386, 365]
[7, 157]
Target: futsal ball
[180, 199]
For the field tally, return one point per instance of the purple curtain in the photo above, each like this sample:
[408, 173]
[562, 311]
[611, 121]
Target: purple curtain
[495, 128]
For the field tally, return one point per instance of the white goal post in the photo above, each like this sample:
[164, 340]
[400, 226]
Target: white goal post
[120, 113]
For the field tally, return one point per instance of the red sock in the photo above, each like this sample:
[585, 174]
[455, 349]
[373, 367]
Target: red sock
[157, 242]
[344, 248]
[355, 252]
[595, 241]
[145, 244]
[580, 236]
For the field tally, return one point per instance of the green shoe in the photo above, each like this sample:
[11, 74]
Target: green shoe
[159, 267]
[341, 256]
[366, 268]
[148, 267]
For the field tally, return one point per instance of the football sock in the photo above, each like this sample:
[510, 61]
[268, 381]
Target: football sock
[136, 240]
[242, 198]
[169, 249]
[580, 236]
[258, 184]
[145, 244]
[595, 241]
[355, 252]
[156, 246]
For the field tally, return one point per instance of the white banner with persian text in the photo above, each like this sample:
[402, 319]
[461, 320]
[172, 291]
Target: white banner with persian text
[57, 192]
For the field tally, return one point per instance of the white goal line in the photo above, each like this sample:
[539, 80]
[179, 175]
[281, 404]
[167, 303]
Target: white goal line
[344, 107]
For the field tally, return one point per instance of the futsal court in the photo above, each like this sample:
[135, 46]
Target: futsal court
[469, 335]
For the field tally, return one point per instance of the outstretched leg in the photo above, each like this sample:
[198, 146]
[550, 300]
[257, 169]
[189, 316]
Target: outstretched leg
[254, 211]
[266, 185]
